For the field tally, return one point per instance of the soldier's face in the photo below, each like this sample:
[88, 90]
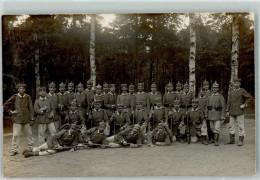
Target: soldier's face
[131, 91]
[160, 129]
[89, 86]
[170, 88]
[98, 91]
[52, 89]
[139, 106]
[42, 93]
[97, 105]
[159, 104]
[70, 88]
[215, 90]
[62, 89]
[153, 89]
[80, 89]
[178, 88]
[186, 90]
[135, 130]
[21, 90]
[73, 107]
[206, 87]
[194, 105]
[176, 106]
[112, 89]
[237, 84]
[202, 93]
[101, 129]
[124, 89]
[106, 89]
[120, 109]
[140, 87]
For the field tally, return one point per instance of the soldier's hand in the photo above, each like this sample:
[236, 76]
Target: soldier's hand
[13, 112]
[72, 150]
[124, 142]
[90, 143]
[242, 106]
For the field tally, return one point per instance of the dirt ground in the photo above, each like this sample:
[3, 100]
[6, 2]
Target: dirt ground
[175, 160]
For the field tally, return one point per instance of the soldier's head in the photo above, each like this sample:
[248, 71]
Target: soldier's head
[97, 104]
[102, 127]
[21, 88]
[62, 87]
[124, 88]
[71, 87]
[89, 84]
[131, 88]
[105, 87]
[112, 88]
[195, 103]
[215, 87]
[140, 87]
[237, 83]
[153, 88]
[206, 85]
[170, 87]
[161, 128]
[98, 89]
[178, 86]
[52, 87]
[158, 101]
[73, 105]
[186, 88]
[139, 105]
[120, 108]
[176, 104]
[136, 129]
[201, 93]
[80, 87]
[42, 91]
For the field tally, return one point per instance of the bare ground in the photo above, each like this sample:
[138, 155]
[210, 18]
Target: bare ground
[175, 160]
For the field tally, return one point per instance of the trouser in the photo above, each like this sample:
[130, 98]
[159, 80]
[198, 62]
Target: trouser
[210, 132]
[237, 121]
[200, 131]
[43, 150]
[215, 126]
[16, 132]
[41, 130]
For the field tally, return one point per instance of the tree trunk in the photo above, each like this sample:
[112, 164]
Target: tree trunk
[235, 50]
[192, 78]
[92, 51]
[37, 63]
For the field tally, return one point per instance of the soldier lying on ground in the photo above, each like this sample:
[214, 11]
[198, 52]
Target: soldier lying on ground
[159, 136]
[66, 139]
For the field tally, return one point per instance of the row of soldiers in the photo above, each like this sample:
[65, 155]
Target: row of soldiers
[178, 113]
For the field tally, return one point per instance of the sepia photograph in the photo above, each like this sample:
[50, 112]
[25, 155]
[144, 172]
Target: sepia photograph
[128, 95]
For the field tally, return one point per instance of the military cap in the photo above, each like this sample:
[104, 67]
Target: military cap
[177, 102]
[112, 85]
[98, 86]
[205, 82]
[52, 84]
[120, 105]
[21, 85]
[237, 80]
[102, 124]
[170, 84]
[71, 84]
[139, 102]
[97, 101]
[42, 89]
[195, 100]
[62, 85]
[215, 85]
[131, 86]
[90, 82]
[158, 99]
[123, 85]
[153, 85]
[105, 85]
[186, 85]
[80, 85]
[73, 102]
[178, 84]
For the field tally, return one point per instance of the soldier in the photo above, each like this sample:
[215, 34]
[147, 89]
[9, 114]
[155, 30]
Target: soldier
[131, 136]
[176, 122]
[197, 123]
[45, 111]
[169, 96]
[178, 91]
[63, 102]
[20, 107]
[206, 88]
[66, 138]
[132, 93]
[159, 136]
[120, 118]
[125, 99]
[54, 100]
[75, 116]
[98, 114]
[215, 111]
[186, 97]
[110, 103]
[70, 92]
[141, 95]
[238, 101]
[89, 93]
[153, 95]
[98, 96]
[81, 100]
[105, 89]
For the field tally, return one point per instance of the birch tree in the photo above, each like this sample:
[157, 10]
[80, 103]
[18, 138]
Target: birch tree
[92, 51]
[192, 78]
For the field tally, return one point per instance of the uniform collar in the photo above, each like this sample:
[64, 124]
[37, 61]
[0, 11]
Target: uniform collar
[155, 107]
[118, 113]
[51, 94]
[69, 92]
[170, 92]
[192, 109]
[140, 92]
[80, 93]
[97, 109]
[111, 93]
[21, 95]
[98, 95]
[42, 98]
[237, 89]
[88, 89]
[124, 94]
[202, 96]
[186, 93]
[179, 92]
[154, 93]
[175, 110]
[215, 94]
[62, 94]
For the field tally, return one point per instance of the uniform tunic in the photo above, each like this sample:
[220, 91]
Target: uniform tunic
[23, 104]
[128, 136]
[82, 102]
[42, 116]
[75, 117]
[95, 136]
[155, 136]
[54, 100]
[126, 100]
[178, 95]
[202, 103]
[160, 114]
[152, 98]
[142, 96]
[186, 99]
[63, 99]
[215, 107]
[207, 93]
[174, 120]
[196, 118]
[121, 121]
[98, 116]
[140, 117]
[110, 99]
[169, 98]
[71, 96]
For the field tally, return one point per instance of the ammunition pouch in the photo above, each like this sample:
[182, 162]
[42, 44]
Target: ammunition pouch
[219, 108]
[182, 106]
[209, 108]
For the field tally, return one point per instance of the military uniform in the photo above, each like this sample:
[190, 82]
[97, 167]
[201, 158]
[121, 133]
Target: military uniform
[110, 102]
[89, 93]
[126, 100]
[178, 92]
[99, 97]
[23, 105]
[95, 136]
[105, 89]
[186, 98]
[142, 96]
[169, 97]
[153, 96]
[63, 103]
[75, 117]
[121, 120]
[132, 94]
[82, 101]
[71, 94]
[159, 115]
[129, 136]
[97, 116]
[162, 137]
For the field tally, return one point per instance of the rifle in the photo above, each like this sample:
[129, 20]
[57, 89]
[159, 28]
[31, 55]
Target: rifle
[187, 119]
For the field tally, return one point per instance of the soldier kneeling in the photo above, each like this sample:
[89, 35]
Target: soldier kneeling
[160, 136]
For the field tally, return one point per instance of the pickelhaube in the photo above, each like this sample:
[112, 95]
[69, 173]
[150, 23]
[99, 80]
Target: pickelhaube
[178, 84]
[140, 84]
[177, 102]
[62, 85]
[205, 82]
[98, 86]
[237, 80]
[42, 88]
[153, 85]
[186, 85]
[71, 84]
[52, 84]
[21, 85]
[90, 82]
[80, 85]
[123, 85]
[215, 85]
[195, 100]
[112, 85]
[131, 86]
[170, 84]
[105, 85]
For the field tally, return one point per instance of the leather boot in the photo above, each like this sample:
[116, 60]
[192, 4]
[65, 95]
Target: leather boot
[182, 139]
[29, 154]
[232, 139]
[240, 142]
[204, 140]
[216, 136]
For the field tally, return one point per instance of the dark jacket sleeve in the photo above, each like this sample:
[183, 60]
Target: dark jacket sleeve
[9, 103]
[247, 96]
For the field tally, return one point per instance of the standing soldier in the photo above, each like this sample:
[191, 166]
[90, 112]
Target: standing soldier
[63, 102]
[45, 112]
[169, 97]
[98, 96]
[153, 95]
[142, 96]
[125, 99]
[238, 101]
[21, 108]
[121, 119]
[206, 88]
[89, 93]
[105, 89]
[70, 92]
[186, 97]
[178, 91]
[215, 111]
[75, 116]
[132, 93]
[54, 100]
[98, 114]
[81, 100]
